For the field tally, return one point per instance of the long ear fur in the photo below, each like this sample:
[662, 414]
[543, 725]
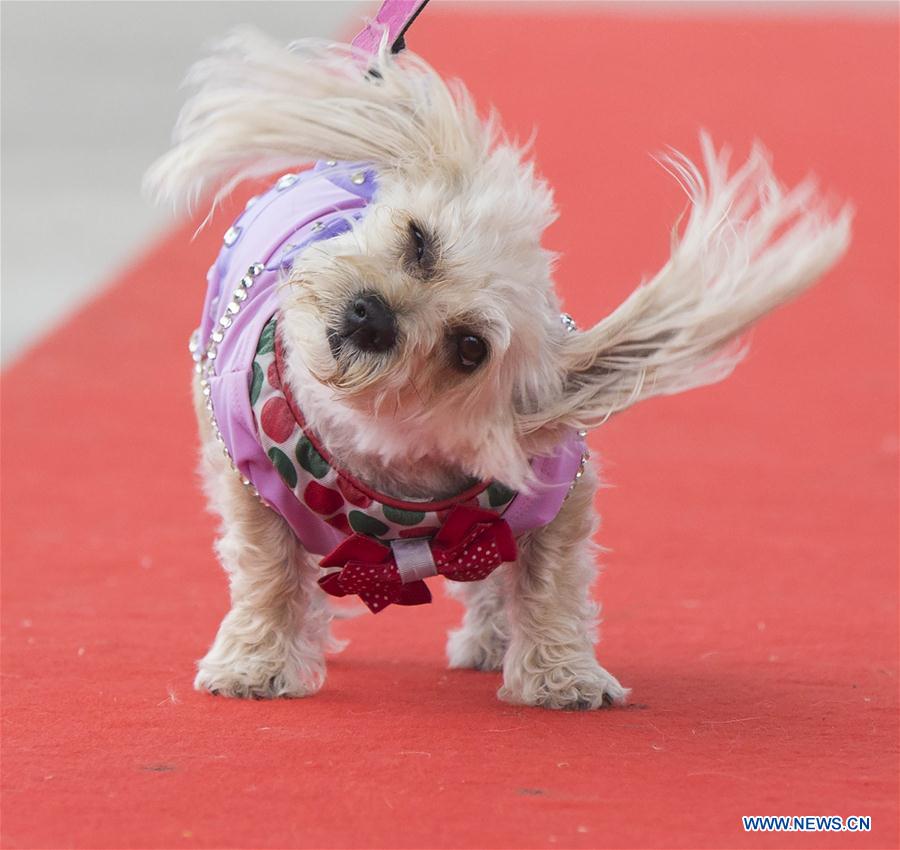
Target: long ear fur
[260, 106]
[747, 248]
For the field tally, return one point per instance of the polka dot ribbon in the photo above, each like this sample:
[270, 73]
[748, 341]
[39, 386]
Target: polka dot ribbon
[469, 546]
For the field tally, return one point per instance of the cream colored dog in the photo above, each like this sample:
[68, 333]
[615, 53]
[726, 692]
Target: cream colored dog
[453, 240]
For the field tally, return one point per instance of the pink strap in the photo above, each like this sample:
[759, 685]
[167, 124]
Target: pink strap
[395, 16]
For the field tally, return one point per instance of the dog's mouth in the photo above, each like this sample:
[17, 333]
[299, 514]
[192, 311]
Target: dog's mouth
[360, 368]
[335, 342]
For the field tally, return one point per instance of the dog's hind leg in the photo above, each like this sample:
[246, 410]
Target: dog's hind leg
[273, 640]
[480, 642]
[550, 661]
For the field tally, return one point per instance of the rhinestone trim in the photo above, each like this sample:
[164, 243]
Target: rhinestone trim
[585, 455]
[286, 180]
[570, 326]
[205, 357]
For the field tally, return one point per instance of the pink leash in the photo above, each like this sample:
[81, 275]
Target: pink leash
[395, 16]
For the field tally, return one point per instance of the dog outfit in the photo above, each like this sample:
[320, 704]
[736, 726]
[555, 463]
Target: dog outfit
[375, 546]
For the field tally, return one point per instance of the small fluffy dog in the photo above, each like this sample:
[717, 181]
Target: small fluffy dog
[385, 387]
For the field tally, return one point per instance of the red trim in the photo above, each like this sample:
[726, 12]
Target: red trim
[390, 501]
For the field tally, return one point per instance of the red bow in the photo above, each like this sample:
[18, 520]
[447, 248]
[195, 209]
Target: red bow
[469, 546]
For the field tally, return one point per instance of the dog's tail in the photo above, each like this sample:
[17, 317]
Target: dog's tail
[747, 247]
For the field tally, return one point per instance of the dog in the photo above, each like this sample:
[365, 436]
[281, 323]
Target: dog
[410, 400]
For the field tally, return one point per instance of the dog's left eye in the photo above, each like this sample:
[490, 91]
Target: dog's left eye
[420, 252]
[470, 351]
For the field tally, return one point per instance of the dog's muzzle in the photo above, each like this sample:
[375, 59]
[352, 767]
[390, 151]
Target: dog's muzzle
[368, 323]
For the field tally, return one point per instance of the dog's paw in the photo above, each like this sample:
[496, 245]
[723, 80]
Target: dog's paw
[567, 687]
[467, 650]
[257, 679]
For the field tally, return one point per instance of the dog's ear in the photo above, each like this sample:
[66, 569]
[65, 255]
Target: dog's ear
[259, 106]
[747, 247]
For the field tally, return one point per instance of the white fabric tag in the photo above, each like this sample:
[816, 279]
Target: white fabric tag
[414, 560]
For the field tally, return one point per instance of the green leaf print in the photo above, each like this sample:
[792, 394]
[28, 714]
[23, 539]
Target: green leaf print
[365, 524]
[284, 466]
[499, 494]
[309, 458]
[402, 517]
[267, 339]
[256, 383]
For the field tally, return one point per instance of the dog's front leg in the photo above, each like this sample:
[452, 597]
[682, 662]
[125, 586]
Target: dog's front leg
[480, 642]
[273, 640]
[550, 660]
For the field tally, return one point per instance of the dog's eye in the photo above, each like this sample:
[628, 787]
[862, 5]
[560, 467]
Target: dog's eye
[419, 243]
[470, 351]
[420, 254]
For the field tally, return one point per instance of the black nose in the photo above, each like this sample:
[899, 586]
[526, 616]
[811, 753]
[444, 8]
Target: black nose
[370, 323]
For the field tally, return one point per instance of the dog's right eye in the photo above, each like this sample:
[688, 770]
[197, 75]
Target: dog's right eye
[419, 243]
[421, 251]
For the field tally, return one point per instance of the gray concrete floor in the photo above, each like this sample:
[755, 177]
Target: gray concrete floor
[90, 91]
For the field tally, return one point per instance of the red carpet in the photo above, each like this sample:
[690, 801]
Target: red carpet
[751, 590]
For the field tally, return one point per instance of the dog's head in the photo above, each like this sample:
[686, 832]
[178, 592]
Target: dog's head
[434, 319]
[432, 323]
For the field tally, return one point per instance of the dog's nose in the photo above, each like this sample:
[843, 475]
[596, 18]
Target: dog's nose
[370, 323]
